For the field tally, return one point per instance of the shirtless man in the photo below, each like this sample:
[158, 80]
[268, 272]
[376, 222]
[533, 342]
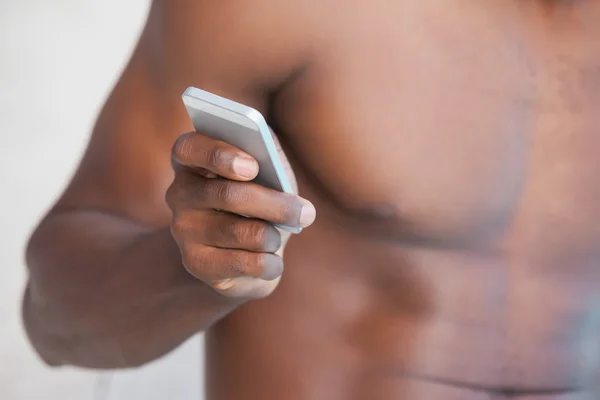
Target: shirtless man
[451, 149]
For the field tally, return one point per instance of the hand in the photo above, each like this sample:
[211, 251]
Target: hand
[239, 256]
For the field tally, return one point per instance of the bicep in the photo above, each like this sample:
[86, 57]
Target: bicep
[126, 167]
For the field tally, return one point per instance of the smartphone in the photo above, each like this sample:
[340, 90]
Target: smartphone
[242, 127]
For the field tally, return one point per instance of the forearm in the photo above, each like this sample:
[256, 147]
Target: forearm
[105, 292]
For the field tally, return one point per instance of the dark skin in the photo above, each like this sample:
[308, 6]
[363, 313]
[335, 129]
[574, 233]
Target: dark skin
[451, 150]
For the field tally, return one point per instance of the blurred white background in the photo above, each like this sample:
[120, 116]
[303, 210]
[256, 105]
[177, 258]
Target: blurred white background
[58, 61]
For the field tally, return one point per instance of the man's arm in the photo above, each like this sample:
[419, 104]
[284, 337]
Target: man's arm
[106, 287]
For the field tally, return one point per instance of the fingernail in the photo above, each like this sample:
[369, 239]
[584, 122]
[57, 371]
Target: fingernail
[307, 215]
[245, 167]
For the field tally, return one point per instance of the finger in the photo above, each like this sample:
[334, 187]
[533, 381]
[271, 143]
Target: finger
[256, 201]
[232, 231]
[197, 151]
[192, 192]
[180, 194]
[211, 264]
[226, 231]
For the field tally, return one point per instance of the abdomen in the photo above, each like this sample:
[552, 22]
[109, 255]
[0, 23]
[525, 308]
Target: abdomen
[354, 317]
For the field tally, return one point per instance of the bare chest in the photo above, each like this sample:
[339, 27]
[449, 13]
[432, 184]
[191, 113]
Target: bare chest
[472, 125]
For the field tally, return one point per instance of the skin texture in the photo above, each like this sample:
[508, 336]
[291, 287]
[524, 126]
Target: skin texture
[451, 151]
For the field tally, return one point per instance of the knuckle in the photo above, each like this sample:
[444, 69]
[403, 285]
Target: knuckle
[183, 148]
[203, 190]
[180, 227]
[235, 232]
[222, 230]
[239, 233]
[257, 234]
[193, 258]
[288, 212]
[188, 260]
[173, 194]
[245, 234]
[237, 266]
[216, 157]
[170, 196]
[227, 193]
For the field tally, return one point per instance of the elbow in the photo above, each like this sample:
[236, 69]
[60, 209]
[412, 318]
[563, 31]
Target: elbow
[44, 322]
[65, 347]
[36, 313]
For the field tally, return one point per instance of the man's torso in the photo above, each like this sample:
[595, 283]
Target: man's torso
[451, 150]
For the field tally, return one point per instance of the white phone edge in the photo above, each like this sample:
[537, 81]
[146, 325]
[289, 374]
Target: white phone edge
[193, 94]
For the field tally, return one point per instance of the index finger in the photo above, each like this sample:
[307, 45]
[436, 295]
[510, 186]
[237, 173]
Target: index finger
[195, 150]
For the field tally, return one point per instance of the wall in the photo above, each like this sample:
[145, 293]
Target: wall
[58, 60]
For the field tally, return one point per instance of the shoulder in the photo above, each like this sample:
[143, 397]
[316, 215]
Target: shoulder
[231, 47]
